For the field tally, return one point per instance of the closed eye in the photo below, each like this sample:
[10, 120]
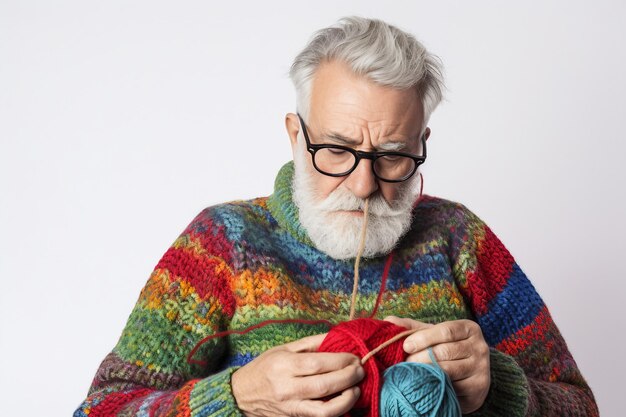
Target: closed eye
[391, 158]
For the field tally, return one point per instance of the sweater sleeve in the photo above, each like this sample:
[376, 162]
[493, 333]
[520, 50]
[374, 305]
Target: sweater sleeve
[186, 299]
[532, 371]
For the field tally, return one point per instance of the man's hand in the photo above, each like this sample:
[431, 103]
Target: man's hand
[460, 350]
[291, 379]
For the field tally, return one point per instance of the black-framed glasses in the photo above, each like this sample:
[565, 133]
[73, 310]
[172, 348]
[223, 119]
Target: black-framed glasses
[339, 161]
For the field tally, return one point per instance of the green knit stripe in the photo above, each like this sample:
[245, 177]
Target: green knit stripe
[434, 301]
[213, 396]
[144, 337]
[259, 340]
[465, 261]
[281, 205]
[247, 316]
[509, 391]
[168, 313]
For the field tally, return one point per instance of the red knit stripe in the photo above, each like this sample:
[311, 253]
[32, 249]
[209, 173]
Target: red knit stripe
[163, 402]
[533, 333]
[115, 401]
[209, 276]
[211, 236]
[493, 269]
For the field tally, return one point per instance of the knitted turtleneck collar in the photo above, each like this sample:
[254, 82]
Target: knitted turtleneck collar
[282, 206]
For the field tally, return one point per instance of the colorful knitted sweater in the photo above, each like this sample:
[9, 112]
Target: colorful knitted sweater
[243, 263]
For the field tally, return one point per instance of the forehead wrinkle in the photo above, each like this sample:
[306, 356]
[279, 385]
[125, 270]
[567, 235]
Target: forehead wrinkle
[351, 128]
[390, 140]
[387, 130]
[384, 143]
[337, 137]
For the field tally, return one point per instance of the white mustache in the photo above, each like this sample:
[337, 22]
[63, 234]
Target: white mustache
[343, 200]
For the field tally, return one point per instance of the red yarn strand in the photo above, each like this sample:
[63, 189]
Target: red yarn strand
[383, 285]
[192, 361]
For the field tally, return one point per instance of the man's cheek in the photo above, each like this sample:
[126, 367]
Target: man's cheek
[323, 190]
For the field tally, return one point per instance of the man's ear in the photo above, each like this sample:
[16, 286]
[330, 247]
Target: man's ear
[427, 133]
[292, 124]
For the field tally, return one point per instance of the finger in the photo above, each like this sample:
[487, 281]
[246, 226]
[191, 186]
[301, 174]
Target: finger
[323, 385]
[306, 344]
[446, 332]
[459, 370]
[444, 352]
[336, 406]
[408, 323]
[314, 363]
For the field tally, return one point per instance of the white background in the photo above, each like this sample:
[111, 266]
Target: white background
[119, 121]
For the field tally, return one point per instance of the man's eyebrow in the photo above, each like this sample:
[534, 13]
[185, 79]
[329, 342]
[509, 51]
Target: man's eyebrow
[336, 137]
[391, 146]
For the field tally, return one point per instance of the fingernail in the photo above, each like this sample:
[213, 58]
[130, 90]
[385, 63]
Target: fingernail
[409, 347]
[357, 391]
[360, 372]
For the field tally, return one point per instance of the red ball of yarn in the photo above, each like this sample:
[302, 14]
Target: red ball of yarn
[359, 337]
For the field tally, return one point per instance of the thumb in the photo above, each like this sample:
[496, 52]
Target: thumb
[307, 344]
[408, 323]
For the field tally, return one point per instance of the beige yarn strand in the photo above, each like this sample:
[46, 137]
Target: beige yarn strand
[355, 288]
[357, 261]
[386, 343]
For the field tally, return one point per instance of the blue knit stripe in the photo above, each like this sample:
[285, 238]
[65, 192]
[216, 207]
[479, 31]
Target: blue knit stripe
[516, 306]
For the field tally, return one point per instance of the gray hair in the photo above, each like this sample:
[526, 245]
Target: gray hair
[377, 50]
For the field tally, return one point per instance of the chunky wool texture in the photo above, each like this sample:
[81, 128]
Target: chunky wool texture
[414, 389]
[359, 337]
[242, 263]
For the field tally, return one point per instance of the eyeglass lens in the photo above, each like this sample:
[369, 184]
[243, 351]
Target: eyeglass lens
[337, 161]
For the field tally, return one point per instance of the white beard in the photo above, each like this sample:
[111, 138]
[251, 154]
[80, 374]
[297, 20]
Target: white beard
[338, 234]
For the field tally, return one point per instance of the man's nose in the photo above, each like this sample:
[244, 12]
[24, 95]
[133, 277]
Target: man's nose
[362, 182]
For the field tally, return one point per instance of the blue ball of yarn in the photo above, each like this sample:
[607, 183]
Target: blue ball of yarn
[417, 389]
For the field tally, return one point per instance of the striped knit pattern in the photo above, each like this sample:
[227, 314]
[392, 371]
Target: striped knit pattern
[242, 263]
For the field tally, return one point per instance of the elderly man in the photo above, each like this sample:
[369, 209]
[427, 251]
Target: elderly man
[232, 318]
